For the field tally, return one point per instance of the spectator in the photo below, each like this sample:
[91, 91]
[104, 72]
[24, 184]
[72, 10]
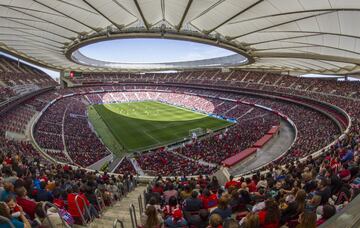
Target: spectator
[327, 211]
[42, 194]
[170, 207]
[193, 204]
[28, 205]
[215, 221]
[151, 218]
[223, 209]
[51, 214]
[20, 222]
[307, 220]
[209, 199]
[170, 192]
[270, 216]
[250, 221]
[176, 220]
[200, 220]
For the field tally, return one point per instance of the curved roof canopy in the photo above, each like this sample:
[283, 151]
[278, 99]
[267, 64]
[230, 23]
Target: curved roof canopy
[309, 36]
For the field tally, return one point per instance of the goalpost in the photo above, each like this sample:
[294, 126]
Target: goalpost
[196, 132]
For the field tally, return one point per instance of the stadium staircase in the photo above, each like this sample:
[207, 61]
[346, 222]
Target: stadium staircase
[120, 210]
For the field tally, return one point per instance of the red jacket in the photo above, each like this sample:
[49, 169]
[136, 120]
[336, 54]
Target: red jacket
[72, 209]
[231, 184]
[262, 216]
[209, 202]
[28, 206]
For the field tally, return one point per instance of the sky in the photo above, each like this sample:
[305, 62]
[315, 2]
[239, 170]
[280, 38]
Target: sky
[146, 50]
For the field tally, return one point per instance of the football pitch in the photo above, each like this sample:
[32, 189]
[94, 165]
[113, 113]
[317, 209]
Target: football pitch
[138, 126]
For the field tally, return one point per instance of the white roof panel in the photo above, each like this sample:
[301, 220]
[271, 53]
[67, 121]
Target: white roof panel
[313, 34]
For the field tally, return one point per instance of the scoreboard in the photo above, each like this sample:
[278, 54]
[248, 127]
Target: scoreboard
[73, 74]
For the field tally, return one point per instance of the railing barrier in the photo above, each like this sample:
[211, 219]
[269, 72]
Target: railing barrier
[82, 213]
[57, 211]
[118, 221]
[100, 200]
[133, 217]
[141, 207]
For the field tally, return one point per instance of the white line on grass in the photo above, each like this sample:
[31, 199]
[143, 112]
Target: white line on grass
[145, 132]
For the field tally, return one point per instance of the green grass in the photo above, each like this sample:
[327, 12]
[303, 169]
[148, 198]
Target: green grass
[139, 126]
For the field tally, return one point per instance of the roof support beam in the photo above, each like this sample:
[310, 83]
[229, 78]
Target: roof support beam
[306, 56]
[284, 38]
[293, 13]
[141, 14]
[40, 29]
[324, 46]
[279, 24]
[184, 15]
[35, 35]
[311, 64]
[41, 19]
[330, 64]
[281, 48]
[72, 18]
[208, 9]
[312, 32]
[33, 10]
[103, 15]
[163, 9]
[27, 40]
[234, 16]
[124, 8]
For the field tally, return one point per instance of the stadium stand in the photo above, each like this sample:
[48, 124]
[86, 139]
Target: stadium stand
[17, 79]
[234, 138]
[64, 132]
[300, 193]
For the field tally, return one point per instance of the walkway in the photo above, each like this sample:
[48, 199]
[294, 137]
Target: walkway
[270, 151]
[120, 210]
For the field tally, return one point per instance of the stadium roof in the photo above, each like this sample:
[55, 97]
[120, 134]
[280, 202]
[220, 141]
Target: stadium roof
[309, 36]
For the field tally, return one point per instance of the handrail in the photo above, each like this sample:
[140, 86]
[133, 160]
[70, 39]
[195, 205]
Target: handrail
[57, 211]
[116, 221]
[144, 198]
[126, 188]
[100, 203]
[6, 220]
[133, 216]
[141, 207]
[82, 213]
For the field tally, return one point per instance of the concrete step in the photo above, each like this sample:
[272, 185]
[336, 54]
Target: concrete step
[120, 210]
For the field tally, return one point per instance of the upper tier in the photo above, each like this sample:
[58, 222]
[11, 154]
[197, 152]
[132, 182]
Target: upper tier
[244, 79]
[17, 79]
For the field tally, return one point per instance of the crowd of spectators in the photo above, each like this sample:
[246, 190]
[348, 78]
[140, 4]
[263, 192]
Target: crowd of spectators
[17, 78]
[125, 166]
[167, 163]
[238, 78]
[217, 148]
[50, 125]
[252, 123]
[287, 192]
[16, 120]
[28, 183]
[315, 130]
[67, 118]
[298, 194]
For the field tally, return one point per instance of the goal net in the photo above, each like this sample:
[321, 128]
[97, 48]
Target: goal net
[196, 132]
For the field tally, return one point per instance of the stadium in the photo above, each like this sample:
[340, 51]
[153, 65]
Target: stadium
[179, 113]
